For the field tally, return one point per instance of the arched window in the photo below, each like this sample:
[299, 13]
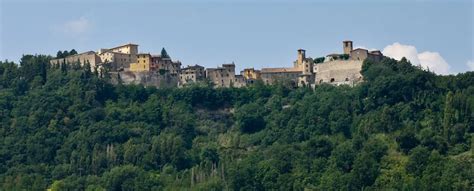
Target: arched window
[332, 79]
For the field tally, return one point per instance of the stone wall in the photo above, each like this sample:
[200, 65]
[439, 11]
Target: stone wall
[338, 72]
[151, 78]
[86, 57]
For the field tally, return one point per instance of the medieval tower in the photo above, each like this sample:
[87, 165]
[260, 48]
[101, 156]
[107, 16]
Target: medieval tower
[347, 46]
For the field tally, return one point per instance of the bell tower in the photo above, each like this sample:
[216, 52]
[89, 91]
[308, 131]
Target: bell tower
[347, 45]
[301, 58]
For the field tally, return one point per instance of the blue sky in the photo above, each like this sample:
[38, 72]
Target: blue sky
[434, 34]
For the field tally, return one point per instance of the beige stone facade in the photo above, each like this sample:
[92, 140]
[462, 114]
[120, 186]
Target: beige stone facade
[222, 76]
[143, 63]
[191, 74]
[337, 69]
[240, 81]
[124, 49]
[119, 57]
[83, 58]
[250, 74]
[301, 74]
[338, 72]
[165, 64]
[118, 61]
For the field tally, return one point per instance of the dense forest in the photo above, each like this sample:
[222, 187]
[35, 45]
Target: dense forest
[64, 128]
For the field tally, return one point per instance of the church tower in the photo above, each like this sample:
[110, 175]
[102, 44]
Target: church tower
[301, 58]
[347, 45]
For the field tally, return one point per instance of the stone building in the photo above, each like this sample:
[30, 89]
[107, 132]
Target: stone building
[191, 74]
[250, 75]
[240, 81]
[338, 72]
[82, 58]
[271, 75]
[301, 74]
[362, 54]
[222, 76]
[165, 64]
[124, 49]
[143, 63]
[344, 68]
[119, 57]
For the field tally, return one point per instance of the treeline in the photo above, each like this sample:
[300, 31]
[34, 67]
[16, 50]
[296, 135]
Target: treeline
[402, 129]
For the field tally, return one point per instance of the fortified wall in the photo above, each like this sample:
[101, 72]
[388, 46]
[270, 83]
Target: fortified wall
[338, 72]
[147, 78]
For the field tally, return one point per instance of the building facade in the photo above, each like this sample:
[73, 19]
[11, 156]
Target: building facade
[191, 74]
[222, 76]
[143, 63]
[336, 69]
[339, 69]
[165, 64]
[87, 57]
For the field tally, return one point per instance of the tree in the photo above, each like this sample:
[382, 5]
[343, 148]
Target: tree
[164, 54]
[418, 160]
[72, 52]
[249, 118]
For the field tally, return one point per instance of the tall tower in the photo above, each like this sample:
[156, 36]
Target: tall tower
[347, 45]
[301, 58]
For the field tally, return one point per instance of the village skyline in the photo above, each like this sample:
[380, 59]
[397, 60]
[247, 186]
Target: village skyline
[211, 33]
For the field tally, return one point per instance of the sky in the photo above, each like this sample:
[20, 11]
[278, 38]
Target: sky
[434, 34]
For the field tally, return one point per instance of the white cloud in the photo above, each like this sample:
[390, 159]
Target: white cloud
[74, 27]
[429, 60]
[434, 62]
[470, 65]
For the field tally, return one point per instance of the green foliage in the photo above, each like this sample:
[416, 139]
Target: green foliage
[164, 54]
[65, 128]
[319, 60]
[249, 118]
[64, 54]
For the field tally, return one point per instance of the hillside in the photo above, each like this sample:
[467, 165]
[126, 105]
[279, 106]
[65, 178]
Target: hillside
[403, 128]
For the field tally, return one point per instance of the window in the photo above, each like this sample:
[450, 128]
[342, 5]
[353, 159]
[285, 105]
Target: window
[347, 79]
[332, 80]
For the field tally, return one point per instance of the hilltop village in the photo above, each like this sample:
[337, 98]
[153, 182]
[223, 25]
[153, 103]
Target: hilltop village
[129, 66]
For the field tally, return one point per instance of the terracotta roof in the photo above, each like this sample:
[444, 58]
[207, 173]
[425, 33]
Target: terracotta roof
[280, 70]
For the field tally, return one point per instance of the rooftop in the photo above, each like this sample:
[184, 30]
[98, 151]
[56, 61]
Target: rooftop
[193, 67]
[280, 70]
[129, 44]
